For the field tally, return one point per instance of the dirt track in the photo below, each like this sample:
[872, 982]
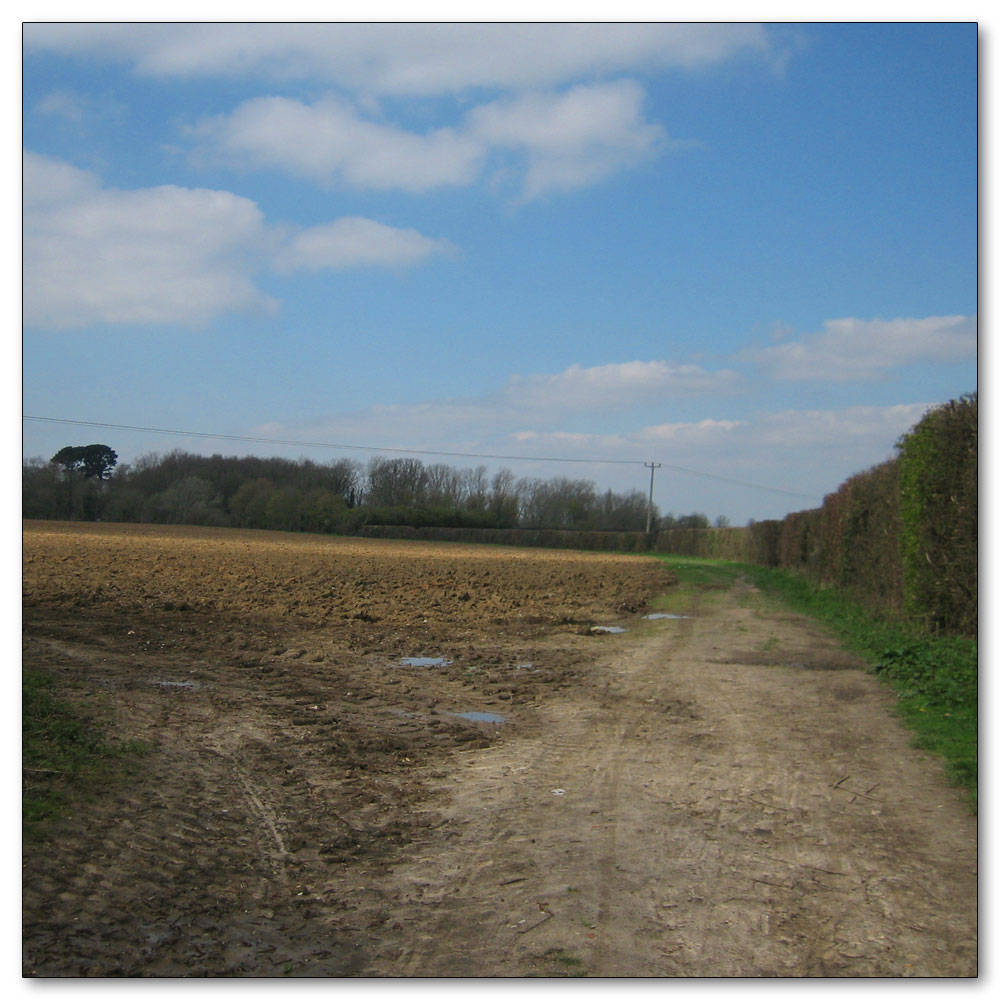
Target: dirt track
[723, 794]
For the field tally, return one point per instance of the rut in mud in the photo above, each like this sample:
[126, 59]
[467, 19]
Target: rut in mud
[720, 794]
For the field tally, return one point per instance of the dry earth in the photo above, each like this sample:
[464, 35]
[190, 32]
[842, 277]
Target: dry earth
[721, 794]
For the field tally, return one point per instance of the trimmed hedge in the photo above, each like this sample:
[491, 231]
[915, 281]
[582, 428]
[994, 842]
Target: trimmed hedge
[867, 563]
[939, 512]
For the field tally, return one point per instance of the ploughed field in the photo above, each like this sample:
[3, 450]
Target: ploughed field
[297, 693]
[325, 581]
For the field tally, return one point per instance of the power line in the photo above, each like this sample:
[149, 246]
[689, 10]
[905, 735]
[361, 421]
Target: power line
[414, 451]
[323, 444]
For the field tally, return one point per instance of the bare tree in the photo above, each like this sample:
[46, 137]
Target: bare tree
[444, 487]
[396, 482]
[503, 501]
[475, 488]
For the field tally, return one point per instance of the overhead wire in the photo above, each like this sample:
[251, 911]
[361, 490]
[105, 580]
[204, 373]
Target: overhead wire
[414, 451]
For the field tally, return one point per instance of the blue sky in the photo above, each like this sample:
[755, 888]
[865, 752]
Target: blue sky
[747, 252]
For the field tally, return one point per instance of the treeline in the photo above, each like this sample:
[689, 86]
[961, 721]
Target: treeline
[341, 497]
[902, 537]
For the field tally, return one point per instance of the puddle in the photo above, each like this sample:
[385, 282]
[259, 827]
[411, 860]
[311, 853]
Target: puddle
[181, 685]
[607, 629]
[481, 717]
[661, 614]
[524, 666]
[424, 661]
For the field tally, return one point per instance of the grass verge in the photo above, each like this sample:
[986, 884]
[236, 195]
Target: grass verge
[936, 678]
[63, 754]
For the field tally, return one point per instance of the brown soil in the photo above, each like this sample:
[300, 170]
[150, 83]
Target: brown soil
[725, 794]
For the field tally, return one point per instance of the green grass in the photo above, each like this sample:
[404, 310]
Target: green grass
[693, 571]
[936, 678]
[568, 963]
[697, 579]
[64, 755]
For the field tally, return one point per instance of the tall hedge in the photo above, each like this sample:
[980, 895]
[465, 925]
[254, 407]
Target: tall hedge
[939, 514]
[901, 537]
[866, 559]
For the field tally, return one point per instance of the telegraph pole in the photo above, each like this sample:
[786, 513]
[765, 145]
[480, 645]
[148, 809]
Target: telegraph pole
[652, 466]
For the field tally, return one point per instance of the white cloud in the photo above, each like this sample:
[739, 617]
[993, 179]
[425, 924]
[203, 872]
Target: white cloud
[560, 116]
[691, 439]
[163, 254]
[169, 254]
[413, 58]
[614, 386]
[695, 433]
[535, 415]
[50, 183]
[566, 140]
[850, 348]
[357, 242]
[854, 428]
[76, 111]
[64, 104]
[328, 141]
[534, 409]
[571, 139]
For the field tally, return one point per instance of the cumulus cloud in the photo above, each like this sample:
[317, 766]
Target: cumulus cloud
[410, 59]
[571, 139]
[163, 254]
[357, 242]
[169, 254]
[561, 114]
[847, 349]
[566, 140]
[328, 140]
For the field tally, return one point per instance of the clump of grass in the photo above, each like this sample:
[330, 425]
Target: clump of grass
[572, 964]
[62, 752]
[936, 677]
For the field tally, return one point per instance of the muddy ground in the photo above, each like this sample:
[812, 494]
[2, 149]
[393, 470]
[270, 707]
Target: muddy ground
[725, 793]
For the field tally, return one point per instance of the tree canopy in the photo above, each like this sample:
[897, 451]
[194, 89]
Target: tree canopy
[94, 461]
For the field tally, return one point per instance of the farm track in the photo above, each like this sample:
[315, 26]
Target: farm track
[725, 794]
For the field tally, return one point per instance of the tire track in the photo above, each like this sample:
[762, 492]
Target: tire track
[552, 799]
